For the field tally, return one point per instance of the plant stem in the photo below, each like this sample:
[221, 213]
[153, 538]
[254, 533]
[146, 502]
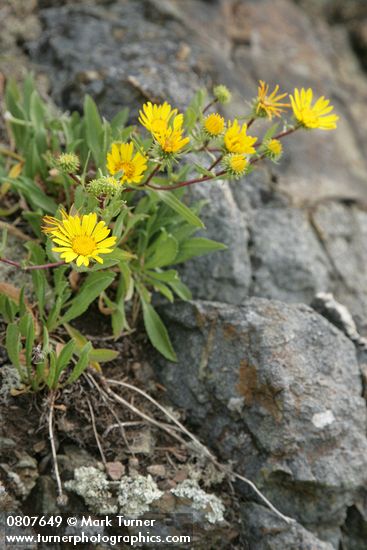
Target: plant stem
[214, 164]
[31, 267]
[250, 122]
[152, 174]
[213, 102]
[186, 183]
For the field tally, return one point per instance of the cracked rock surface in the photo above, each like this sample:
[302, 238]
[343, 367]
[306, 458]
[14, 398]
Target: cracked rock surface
[268, 383]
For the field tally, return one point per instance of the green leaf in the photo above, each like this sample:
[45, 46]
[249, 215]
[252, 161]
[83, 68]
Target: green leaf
[162, 252]
[51, 376]
[94, 128]
[103, 355]
[32, 193]
[81, 365]
[119, 121]
[270, 132]
[202, 170]
[197, 246]
[157, 332]
[173, 202]
[181, 290]
[13, 344]
[168, 276]
[94, 284]
[64, 358]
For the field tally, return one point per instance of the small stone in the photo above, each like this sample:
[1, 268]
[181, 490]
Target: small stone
[39, 446]
[143, 443]
[181, 475]
[157, 470]
[115, 470]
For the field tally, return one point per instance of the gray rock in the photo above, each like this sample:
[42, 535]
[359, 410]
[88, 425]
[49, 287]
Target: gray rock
[224, 275]
[262, 530]
[344, 233]
[301, 433]
[288, 261]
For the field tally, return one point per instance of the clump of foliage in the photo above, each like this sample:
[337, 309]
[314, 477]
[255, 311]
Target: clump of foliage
[105, 200]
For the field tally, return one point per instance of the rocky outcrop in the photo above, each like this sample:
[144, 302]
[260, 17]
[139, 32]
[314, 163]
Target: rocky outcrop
[277, 390]
[273, 386]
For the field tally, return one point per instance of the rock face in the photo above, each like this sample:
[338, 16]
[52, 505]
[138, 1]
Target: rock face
[270, 385]
[157, 50]
[276, 389]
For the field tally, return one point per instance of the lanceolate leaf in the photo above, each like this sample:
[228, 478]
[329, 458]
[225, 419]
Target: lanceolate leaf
[94, 284]
[197, 246]
[173, 202]
[157, 332]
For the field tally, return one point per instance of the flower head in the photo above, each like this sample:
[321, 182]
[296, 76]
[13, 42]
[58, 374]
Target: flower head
[68, 162]
[122, 159]
[236, 139]
[269, 105]
[107, 186]
[235, 164]
[313, 116]
[171, 139]
[79, 238]
[155, 118]
[222, 94]
[273, 149]
[214, 125]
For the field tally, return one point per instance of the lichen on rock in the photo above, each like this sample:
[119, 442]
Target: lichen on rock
[92, 485]
[211, 504]
[136, 493]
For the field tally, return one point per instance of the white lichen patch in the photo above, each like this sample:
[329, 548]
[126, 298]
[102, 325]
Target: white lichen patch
[211, 505]
[135, 494]
[92, 485]
[320, 420]
[10, 380]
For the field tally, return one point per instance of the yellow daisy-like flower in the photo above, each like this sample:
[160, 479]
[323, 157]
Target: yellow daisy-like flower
[79, 238]
[214, 125]
[274, 147]
[236, 139]
[313, 116]
[235, 164]
[171, 139]
[122, 159]
[155, 118]
[269, 105]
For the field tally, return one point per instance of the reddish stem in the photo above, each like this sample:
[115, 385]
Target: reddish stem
[213, 102]
[186, 183]
[250, 123]
[31, 267]
[214, 164]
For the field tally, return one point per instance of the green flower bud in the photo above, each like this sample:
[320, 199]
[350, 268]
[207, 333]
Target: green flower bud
[222, 94]
[106, 186]
[67, 163]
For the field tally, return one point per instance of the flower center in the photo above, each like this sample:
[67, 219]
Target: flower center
[128, 169]
[84, 245]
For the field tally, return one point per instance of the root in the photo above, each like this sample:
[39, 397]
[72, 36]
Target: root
[106, 391]
[62, 498]
[96, 433]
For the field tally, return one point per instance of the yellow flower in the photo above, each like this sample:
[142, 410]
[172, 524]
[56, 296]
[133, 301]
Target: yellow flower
[269, 105]
[236, 139]
[313, 116]
[170, 139]
[121, 159]
[79, 238]
[235, 164]
[274, 147]
[214, 124]
[155, 118]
